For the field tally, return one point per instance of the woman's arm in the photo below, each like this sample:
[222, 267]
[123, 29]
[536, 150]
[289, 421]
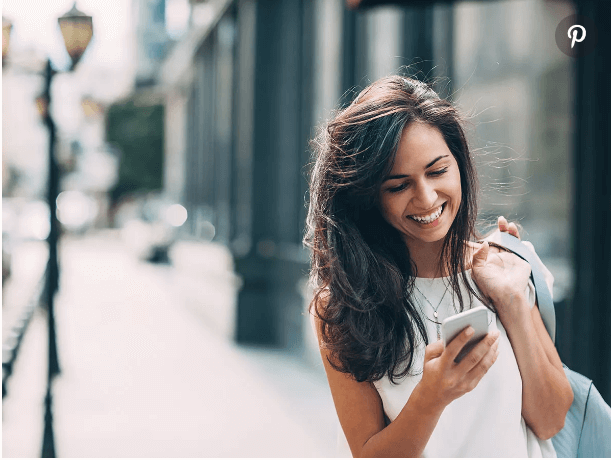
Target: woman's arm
[361, 415]
[546, 392]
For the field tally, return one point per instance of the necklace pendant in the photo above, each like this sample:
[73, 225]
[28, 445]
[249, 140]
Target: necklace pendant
[438, 333]
[435, 314]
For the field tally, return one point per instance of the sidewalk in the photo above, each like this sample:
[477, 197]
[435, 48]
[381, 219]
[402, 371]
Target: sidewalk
[144, 376]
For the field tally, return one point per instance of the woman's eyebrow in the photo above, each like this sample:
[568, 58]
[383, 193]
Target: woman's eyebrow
[401, 176]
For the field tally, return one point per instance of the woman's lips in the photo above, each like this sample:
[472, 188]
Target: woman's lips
[433, 223]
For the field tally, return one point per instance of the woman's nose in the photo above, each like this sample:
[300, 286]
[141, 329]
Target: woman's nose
[425, 197]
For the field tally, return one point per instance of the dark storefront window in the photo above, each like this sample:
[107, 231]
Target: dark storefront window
[517, 85]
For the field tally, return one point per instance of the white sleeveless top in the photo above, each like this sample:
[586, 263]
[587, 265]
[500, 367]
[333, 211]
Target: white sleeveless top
[486, 422]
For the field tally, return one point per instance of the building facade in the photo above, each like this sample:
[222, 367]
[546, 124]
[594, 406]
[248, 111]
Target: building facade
[249, 84]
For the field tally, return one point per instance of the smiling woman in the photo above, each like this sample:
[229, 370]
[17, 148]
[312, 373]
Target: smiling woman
[422, 203]
[391, 228]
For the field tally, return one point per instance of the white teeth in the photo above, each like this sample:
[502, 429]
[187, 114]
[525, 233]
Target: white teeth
[430, 218]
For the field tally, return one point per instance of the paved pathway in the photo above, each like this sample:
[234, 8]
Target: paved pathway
[143, 376]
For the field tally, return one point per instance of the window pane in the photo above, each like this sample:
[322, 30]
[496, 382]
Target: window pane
[510, 75]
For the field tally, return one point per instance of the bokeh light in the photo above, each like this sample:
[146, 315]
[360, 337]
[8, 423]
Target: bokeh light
[176, 215]
[75, 210]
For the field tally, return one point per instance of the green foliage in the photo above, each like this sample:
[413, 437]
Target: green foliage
[137, 132]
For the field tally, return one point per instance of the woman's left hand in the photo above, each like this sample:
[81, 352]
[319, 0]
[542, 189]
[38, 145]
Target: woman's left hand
[501, 276]
[503, 227]
[506, 227]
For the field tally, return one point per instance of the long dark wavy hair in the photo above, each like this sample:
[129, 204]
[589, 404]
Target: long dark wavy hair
[360, 265]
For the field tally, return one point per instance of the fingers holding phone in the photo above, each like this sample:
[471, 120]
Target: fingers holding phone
[476, 318]
[455, 364]
[481, 358]
[480, 350]
[476, 363]
[444, 379]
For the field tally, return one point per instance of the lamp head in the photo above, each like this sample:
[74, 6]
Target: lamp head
[77, 30]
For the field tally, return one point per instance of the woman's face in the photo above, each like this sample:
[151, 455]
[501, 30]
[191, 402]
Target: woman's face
[422, 194]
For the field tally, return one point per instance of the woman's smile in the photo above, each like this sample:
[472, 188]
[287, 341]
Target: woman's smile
[429, 220]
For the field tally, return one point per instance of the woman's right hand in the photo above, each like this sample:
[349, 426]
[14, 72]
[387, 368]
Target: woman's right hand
[443, 380]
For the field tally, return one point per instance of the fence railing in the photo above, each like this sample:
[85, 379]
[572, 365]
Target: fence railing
[12, 342]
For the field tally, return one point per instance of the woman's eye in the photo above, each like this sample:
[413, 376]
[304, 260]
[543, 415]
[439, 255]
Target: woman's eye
[439, 172]
[398, 188]
[403, 186]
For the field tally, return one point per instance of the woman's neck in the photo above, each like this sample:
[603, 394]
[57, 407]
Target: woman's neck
[426, 257]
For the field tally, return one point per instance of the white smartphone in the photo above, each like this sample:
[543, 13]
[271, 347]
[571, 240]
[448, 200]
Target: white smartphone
[476, 317]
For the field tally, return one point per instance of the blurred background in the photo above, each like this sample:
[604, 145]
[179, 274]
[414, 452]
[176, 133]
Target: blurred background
[154, 161]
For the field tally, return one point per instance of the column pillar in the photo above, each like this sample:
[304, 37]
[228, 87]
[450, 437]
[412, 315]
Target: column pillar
[589, 322]
[267, 249]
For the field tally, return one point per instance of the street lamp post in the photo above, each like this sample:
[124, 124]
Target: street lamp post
[77, 30]
[52, 282]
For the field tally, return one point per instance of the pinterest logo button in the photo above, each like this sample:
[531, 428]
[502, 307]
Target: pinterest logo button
[576, 35]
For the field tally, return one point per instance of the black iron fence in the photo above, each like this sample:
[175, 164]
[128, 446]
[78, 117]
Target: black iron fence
[11, 343]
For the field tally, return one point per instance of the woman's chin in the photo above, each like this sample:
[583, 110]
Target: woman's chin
[426, 235]
[432, 238]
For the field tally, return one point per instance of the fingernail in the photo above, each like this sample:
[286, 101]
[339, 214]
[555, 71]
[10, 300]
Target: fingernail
[470, 331]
